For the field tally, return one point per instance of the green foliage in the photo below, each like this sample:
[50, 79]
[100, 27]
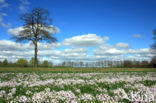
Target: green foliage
[45, 63]
[148, 83]
[2, 100]
[97, 65]
[88, 89]
[22, 62]
[5, 62]
[31, 62]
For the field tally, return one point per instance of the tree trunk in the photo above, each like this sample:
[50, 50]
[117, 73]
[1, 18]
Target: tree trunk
[35, 59]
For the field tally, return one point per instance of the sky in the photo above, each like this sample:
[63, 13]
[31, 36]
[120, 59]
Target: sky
[88, 30]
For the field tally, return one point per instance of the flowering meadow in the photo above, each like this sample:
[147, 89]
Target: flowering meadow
[108, 87]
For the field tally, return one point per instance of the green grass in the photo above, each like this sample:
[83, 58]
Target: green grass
[148, 83]
[70, 69]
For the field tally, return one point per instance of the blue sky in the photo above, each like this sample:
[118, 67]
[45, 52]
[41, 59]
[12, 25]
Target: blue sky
[122, 21]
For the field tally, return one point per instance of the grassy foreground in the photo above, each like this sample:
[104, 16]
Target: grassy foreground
[70, 69]
[106, 87]
[77, 85]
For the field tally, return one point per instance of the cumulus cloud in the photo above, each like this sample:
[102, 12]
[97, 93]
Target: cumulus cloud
[74, 53]
[87, 40]
[13, 51]
[11, 45]
[114, 52]
[3, 4]
[15, 31]
[142, 53]
[76, 50]
[120, 51]
[137, 36]
[109, 51]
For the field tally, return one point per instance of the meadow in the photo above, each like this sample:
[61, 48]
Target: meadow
[77, 85]
[73, 70]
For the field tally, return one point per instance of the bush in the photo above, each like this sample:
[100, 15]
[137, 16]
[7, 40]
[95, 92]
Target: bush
[45, 63]
[5, 62]
[22, 62]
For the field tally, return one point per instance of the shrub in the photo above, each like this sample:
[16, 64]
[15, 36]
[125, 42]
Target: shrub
[5, 62]
[22, 62]
[45, 63]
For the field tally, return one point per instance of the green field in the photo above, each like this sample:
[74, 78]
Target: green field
[71, 69]
[77, 85]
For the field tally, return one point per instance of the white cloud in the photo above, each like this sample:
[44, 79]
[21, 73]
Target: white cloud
[53, 29]
[122, 45]
[74, 53]
[4, 24]
[76, 50]
[107, 49]
[137, 35]
[24, 5]
[46, 46]
[3, 4]
[25, 2]
[23, 8]
[115, 51]
[110, 51]
[15, 31]
[87, 40]
[1, 1]
[8, 45]
[140, 51]
[14, 51]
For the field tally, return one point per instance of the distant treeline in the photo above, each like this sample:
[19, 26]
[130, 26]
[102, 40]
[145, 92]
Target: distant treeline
[99, 64]
[115, 64]
[25, 63]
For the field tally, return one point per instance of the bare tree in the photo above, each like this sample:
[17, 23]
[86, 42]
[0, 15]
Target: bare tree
[153, 62]
[154, 43]
[153, 47]
[127, 63]
[36, 28]
[144, 64]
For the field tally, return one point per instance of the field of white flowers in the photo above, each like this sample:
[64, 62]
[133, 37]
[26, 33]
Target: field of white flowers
[110, 87]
